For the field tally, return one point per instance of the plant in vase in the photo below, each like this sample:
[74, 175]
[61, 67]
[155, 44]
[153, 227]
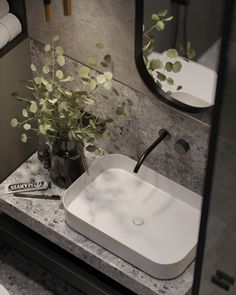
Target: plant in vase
[64, 115]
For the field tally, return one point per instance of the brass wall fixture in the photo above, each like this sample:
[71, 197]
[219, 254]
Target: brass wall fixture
[48, 12]
[67, 7]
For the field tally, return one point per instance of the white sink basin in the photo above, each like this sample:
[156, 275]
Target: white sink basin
[145, 218]
[3, 291]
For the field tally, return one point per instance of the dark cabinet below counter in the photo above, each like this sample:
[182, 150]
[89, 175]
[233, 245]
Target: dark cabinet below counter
[86, 279]
[14, 67]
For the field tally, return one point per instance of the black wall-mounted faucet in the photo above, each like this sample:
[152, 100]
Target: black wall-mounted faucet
[163, 134]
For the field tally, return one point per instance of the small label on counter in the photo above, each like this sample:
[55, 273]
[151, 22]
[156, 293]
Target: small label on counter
[26, 186]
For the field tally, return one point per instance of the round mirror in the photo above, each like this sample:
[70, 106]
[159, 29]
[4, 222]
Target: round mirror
[178, 44]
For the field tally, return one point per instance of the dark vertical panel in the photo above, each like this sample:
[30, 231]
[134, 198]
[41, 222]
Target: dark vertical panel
[217, 245]
[14, 66]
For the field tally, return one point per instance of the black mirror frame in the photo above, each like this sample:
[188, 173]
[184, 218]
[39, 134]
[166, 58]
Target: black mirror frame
[158, 92]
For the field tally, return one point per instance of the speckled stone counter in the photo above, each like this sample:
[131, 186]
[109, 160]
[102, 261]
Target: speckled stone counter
[46, 217]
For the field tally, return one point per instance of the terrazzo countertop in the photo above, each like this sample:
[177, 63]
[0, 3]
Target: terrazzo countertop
[46, 217]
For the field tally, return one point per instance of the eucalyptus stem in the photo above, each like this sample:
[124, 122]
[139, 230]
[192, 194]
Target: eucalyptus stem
[149, 30]
[53, 63]
[27, 120]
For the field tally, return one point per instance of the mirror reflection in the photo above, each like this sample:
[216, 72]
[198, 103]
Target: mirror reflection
[181, 46]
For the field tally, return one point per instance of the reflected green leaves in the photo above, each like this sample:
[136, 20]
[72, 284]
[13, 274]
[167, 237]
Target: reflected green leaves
[169, 63]
[172, 53]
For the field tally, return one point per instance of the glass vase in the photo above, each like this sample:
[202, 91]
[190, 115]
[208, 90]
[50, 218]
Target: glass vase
[67, 162]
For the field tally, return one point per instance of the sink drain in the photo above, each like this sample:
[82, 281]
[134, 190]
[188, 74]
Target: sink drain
[138, 221]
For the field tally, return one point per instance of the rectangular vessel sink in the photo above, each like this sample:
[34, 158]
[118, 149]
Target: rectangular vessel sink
[145, 218]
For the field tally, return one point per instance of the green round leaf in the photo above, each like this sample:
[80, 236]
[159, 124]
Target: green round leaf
[48, 127]
[101, 79]
[107, 85]
[61, 60]
[84, 72]
[169, 66]
[108, 76]
[177, 67]
[38, 80]
[92, 61]
[46, 61]
[49, 87]
[46, 69]
[160, 25]
[191, 53]
[25, 113]
[24, 137]
[59, 50]
[14, 122]
[47, 47]
[161, 77]
[100, 45]
[33, 107]
[155, 64]
[92, 84]
[44, 81]
[27, 126]
[155, 17]
[126, 112]
[170, 81]
[55, 38]
[172, 53]
[42, 129]
[33, 68]
[163, 12]
[59, 74]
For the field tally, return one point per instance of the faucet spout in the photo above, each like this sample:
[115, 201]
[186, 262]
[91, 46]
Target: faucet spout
[163, 134]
